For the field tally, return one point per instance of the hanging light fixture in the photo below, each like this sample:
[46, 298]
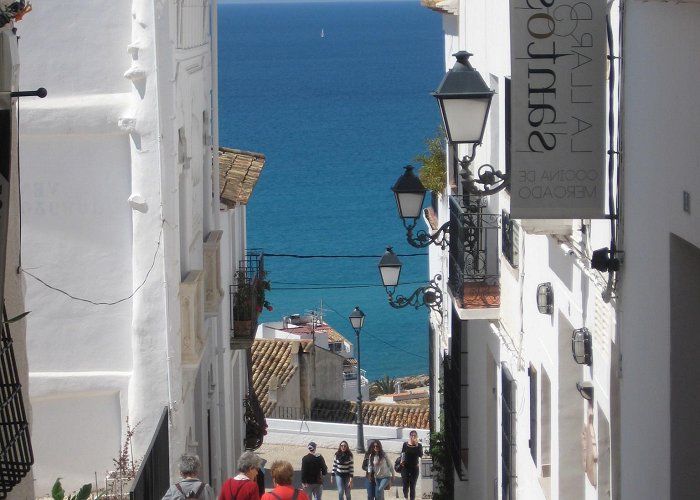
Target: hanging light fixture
[465, 100]
[429, 295]
[545, 298]
[581, 347]
[410, 196]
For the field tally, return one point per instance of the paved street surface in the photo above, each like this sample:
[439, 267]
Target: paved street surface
[294, 454]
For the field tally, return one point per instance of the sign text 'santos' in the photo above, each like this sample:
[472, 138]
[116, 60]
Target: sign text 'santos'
[558, 52]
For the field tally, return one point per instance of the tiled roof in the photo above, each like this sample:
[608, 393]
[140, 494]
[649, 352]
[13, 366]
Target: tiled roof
[390, 415]
[308, 328]
[333, 335]
[442, 6]
[238, 174]
[273, 358]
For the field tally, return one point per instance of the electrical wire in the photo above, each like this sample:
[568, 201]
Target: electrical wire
[330, 286]
[98, 303]
[300, 256]
[364, 331]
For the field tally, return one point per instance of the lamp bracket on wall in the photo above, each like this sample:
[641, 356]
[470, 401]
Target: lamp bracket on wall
[429, 295]
[40, 92]
[424, 239]
[488, 179]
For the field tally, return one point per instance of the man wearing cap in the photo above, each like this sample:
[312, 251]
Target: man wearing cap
[313, 468]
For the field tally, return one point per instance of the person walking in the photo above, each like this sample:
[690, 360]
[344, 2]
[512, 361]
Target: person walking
[382, 469]
[411, 453]
[282, 473]
[244, 485]
[190, 486]
[343, 470]
[313, 468]
[371, 483]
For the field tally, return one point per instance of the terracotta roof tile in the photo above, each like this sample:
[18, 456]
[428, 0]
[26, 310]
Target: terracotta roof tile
[238, 173]
[333, 335]
[273, 358]
[392, 415]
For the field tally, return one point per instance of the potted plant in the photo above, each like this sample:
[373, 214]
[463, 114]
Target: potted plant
[248, 302]
[433, 173]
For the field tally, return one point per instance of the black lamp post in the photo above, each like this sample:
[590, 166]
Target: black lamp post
[390, 271]
[357, 320]
[410, 195]
[465, 100]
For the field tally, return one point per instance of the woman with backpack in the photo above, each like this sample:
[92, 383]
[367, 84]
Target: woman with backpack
[244, 485]
[371, 485]
[381, 468]
[411, 452]
[190, 486]
[282, 473]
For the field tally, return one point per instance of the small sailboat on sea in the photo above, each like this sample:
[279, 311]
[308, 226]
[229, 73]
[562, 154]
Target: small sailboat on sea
[323, 35]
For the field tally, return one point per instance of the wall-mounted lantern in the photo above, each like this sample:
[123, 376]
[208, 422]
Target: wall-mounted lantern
[465, 100]
[581, 346]
[585, 389]
[545, 298]
[429, 295]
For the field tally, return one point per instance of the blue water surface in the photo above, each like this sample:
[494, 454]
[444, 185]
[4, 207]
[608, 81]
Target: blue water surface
[337, 118]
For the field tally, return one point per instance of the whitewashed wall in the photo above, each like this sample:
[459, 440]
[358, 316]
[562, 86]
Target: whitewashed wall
[120, 190]
[661, 161]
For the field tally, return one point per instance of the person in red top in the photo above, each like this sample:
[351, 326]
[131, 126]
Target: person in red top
[282, 472]
[244, 485]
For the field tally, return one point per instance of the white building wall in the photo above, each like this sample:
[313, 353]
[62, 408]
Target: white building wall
[523, 338]
[13, 285]
[120, 190]
[660, 163]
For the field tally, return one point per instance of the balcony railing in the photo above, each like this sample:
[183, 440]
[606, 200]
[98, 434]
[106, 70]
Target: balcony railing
[244, 297]
[474, 260]
[16, 456]
[153, 478]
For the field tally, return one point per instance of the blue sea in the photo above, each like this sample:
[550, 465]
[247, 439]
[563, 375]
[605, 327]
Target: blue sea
[337, 117]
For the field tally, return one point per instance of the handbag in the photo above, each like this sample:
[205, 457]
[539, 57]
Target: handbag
[397, 465]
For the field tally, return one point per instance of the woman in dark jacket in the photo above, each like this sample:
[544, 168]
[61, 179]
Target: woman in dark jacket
[343, 470]
[411, 452]
[371, 485]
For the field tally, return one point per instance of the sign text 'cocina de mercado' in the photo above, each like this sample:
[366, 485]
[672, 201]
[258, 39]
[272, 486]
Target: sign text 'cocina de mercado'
[558, 67]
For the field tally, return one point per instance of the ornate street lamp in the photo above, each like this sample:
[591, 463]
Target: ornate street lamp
[465, 100]
[357, 320]
[390, 270]
[410, 195]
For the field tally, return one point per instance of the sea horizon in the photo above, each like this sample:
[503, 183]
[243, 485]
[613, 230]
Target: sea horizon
[336, 95]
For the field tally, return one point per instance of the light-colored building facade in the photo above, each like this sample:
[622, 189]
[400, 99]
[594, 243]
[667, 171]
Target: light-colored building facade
[127, 249]
[520, 425]
[325, 337]
[16, 457]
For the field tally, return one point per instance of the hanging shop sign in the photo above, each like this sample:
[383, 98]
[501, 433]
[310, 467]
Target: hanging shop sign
[558, 71]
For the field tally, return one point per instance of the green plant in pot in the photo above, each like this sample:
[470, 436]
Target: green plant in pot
[433, 173]
[249, 301]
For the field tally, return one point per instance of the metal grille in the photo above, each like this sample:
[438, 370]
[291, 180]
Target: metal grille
[153, 477]
[510, 236]
[456, 403]
[16, 457]
[473, 249]
[507, 436]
